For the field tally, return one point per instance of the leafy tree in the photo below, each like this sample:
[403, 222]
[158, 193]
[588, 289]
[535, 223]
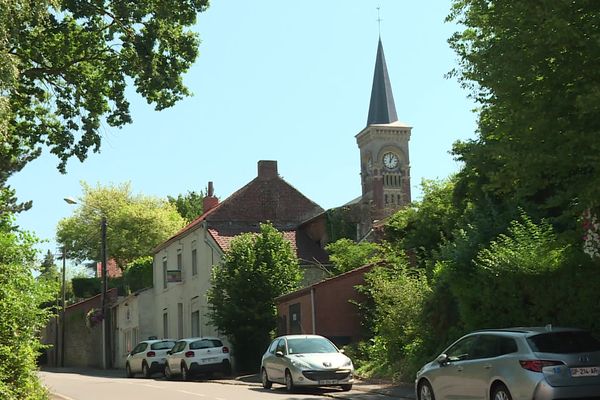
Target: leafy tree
[138, 273]
[255, 270]
[189, 205]
[21, 317]
[135, 224]
[346, 255]
[533, 69]
[65, 65]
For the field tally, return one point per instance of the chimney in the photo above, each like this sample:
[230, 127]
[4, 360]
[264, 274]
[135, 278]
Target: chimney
[210, 201]
[267, 169]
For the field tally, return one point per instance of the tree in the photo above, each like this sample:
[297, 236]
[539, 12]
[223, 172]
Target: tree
[533, 69]
[255, 270]
[21, 317]
[138, 273]
[65, 65]
[189, 205]
[346, 255]
[135, 224]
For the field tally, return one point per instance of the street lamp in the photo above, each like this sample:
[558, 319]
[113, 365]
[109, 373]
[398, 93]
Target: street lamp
[103, 302]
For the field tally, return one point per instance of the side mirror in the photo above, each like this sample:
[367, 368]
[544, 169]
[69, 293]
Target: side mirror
[279, 354]
[342, 351]
[442, 359]
[169, 352]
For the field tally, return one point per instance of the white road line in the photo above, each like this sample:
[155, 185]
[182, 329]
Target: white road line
[62, 396]
[153, 386]
[195, 394]
[219, 398]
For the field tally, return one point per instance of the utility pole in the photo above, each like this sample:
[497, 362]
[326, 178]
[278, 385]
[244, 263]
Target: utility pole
[62, 318]
[103, 295]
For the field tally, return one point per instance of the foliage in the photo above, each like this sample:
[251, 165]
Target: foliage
[84, 288]
[21, 317]
[255, 270]
[341, 222]
[135, 224]
[65, 66]
[138, 274]
[93, 317]
[189, 206]
[346, 255]
[532, 67]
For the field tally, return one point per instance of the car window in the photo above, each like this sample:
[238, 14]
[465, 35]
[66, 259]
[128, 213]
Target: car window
[139, 348]
[273, 346]
[310, 345]
[166, 345]
[281, 346]
[564, 342]
[205, 344]
[178, 347]
[507, 345]
[461, 350]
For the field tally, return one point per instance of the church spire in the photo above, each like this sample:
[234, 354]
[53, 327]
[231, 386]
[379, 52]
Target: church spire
[382, 109]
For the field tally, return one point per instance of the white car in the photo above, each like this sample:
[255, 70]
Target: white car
[193, 356]
[305, 360]
[148, 357]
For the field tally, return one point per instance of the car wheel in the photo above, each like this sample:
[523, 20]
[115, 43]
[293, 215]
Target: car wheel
[500, 392]
[185, 373]
[425, 391]
[128, 371]
[168, 373]
[289, 382]
[267, 384]
[146, 370]
[347, 388]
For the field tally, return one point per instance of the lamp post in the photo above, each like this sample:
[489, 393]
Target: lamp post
[62, 318]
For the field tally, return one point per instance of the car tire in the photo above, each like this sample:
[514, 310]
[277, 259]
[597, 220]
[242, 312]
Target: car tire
[168, 373]
[266, 383]
[145, 370]
[289, 381]
[185, 373]
[128, 371]
[500, 392]
[347, 388]
[425, 392]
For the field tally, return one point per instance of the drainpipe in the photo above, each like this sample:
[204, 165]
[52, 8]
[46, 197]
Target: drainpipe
[312, 306]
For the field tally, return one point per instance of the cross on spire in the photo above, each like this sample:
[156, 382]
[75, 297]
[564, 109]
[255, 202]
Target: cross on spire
[379, 20]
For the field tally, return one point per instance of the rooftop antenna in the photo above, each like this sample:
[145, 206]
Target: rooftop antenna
[379, 21]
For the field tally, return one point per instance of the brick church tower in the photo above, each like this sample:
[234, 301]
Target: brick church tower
[384, 156]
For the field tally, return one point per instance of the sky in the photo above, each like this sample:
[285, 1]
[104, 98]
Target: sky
[276, 80]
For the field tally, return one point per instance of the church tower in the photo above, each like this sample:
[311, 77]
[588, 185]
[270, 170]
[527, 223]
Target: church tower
[384, 157]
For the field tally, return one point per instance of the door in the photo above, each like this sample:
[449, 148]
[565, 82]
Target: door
[137, 355]
[278, 364]
[452, 381]
[174, 359]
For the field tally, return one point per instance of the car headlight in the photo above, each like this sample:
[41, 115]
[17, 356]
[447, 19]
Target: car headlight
[347, 363]
[299, 363]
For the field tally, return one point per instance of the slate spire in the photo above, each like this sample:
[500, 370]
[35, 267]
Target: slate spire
[382, 109]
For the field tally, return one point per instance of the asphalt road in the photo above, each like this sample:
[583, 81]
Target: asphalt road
[100, 385]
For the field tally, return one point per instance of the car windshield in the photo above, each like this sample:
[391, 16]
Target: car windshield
[166, 345]
[310, 345]
[564, 342]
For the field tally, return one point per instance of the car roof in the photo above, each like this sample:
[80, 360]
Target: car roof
[530, 330]
[152, 341]
[193, 339]
[299, 337]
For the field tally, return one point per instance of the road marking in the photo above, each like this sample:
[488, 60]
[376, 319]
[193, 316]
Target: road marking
[62, 396]
[153, 386]
[192, 393]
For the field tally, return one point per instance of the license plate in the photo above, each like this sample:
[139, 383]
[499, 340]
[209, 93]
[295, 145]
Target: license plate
[209, 360]
[328, 382]
[585, 371]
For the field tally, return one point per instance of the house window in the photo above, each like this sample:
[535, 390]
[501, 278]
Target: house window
[164, 273]
[179, 320]
[165, 325]
[194, 262]
[295, 322]
[196, 323]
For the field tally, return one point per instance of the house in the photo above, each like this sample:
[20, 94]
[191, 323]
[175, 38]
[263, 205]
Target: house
[327, 308]
[183, 263]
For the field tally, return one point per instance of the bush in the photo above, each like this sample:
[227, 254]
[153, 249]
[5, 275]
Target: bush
[138, 274]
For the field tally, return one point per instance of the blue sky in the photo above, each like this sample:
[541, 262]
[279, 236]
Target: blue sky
[277, 80]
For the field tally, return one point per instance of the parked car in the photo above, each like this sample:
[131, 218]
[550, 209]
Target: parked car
[305, 360]
[192, 356]
[148, 357]
[516, 363]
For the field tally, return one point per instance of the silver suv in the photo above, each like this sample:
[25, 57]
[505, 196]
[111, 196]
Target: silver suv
[193, 356]
[516, 363]
[147, 357]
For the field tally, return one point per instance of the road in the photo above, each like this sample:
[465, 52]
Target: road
[98, 385]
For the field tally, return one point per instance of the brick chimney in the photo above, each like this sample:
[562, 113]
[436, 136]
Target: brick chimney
[267, 169]
[209, 201]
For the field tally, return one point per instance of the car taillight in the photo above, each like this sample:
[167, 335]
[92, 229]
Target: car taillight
[537, 365]
[189, 354]
[150, 354]
[225, 349]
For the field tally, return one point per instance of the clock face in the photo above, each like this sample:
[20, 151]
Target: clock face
[390, 160]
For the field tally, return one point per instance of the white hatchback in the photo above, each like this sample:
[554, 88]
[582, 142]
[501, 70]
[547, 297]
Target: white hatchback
[148, 357]
[193, 356]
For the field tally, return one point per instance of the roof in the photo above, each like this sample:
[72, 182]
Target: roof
[382, 109]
